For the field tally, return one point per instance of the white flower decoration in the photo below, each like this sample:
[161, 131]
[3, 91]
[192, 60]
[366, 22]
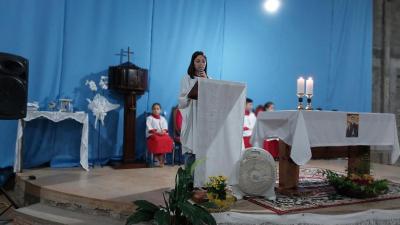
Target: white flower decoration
[92, 85]
[99, 105]
[103, 82]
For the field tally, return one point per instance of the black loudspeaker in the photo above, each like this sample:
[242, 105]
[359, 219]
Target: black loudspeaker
[14, 72]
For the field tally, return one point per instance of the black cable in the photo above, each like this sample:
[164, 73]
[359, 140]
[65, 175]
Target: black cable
[9, 199]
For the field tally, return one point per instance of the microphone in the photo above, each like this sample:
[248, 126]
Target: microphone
[201, 71]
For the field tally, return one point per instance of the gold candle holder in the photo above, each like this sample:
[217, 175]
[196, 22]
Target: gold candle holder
[309, 106]
[300, 101]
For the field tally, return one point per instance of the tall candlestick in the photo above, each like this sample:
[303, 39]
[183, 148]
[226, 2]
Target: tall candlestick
[300, 86]
[309, 86]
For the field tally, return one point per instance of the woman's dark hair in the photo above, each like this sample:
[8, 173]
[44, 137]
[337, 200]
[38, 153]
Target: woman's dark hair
[191, 70]
[268, 104]
[154, 104]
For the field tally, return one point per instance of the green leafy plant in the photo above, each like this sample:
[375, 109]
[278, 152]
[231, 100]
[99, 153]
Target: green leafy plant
[178, 208]
[356, 185]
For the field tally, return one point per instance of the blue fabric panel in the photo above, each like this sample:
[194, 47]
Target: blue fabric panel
[34, 30]
[68, 42]
[95, 31]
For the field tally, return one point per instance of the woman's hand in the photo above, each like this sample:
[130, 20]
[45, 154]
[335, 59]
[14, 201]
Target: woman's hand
[161, 133]
[202, 74]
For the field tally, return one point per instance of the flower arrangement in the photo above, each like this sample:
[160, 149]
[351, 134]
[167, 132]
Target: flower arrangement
[217, 187]
[99, 105]
[218, 194]
[356, 185]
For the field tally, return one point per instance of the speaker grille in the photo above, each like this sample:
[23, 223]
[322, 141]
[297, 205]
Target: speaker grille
[12, 98]
[11, 67]
[14, 72]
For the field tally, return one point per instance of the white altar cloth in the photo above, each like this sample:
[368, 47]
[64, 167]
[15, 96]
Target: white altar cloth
[80, 117]
[305, 129]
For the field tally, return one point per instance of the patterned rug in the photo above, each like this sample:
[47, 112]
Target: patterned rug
[319, 194]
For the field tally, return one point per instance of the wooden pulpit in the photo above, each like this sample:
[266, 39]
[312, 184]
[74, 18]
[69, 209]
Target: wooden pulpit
[130, 80]
[216, 117]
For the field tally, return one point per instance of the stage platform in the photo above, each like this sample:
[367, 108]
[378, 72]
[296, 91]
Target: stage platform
[105, 195]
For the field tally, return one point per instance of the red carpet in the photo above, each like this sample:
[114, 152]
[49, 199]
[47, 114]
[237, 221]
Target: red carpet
[319, 195]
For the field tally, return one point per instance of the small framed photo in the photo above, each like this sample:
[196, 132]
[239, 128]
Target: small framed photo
[353, 122]
[66, 105]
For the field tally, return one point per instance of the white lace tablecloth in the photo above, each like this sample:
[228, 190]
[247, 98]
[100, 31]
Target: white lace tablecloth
[80, 117]
[305, 129]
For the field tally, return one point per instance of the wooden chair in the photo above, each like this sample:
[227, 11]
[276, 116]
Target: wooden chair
[177, 122]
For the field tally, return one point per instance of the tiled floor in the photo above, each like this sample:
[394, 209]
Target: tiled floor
[128, 185]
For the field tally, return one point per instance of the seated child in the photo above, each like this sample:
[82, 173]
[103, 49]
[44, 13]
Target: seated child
[158, 140]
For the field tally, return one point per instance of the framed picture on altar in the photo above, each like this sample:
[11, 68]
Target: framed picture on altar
[353, 121]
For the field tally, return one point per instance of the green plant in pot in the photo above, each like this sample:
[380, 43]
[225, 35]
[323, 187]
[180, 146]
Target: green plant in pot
[356, 185]
[178, 208]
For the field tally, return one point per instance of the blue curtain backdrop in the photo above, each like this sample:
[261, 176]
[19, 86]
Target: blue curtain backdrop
[68, 42]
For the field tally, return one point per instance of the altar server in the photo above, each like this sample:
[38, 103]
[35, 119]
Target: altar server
[259, 108]
[271, 144]
[158, 140]
[269, 107]
[249, 122]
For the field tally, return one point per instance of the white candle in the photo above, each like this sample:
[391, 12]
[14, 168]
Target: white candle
[309, 86]
[300, 85]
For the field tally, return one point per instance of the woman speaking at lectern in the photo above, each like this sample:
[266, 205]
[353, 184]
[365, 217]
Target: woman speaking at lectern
[197, 70]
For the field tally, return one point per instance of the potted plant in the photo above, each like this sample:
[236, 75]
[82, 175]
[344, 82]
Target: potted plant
[356, 185]
[179, 209]
[218, 194]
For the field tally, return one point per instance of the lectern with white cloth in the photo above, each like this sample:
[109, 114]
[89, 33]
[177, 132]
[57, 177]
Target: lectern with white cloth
[212, 128]
[324, 134]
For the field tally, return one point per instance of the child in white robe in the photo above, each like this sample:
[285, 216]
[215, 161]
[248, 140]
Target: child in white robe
[248, 123]
[158, 140]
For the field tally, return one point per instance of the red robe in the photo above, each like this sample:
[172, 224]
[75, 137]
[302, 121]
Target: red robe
[158, 143]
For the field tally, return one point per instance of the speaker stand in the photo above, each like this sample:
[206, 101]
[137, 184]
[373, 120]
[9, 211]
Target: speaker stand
[9, 199]
[19, 167]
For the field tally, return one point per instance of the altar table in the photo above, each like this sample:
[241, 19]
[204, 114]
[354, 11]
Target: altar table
[325, 134]
[80, 117]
